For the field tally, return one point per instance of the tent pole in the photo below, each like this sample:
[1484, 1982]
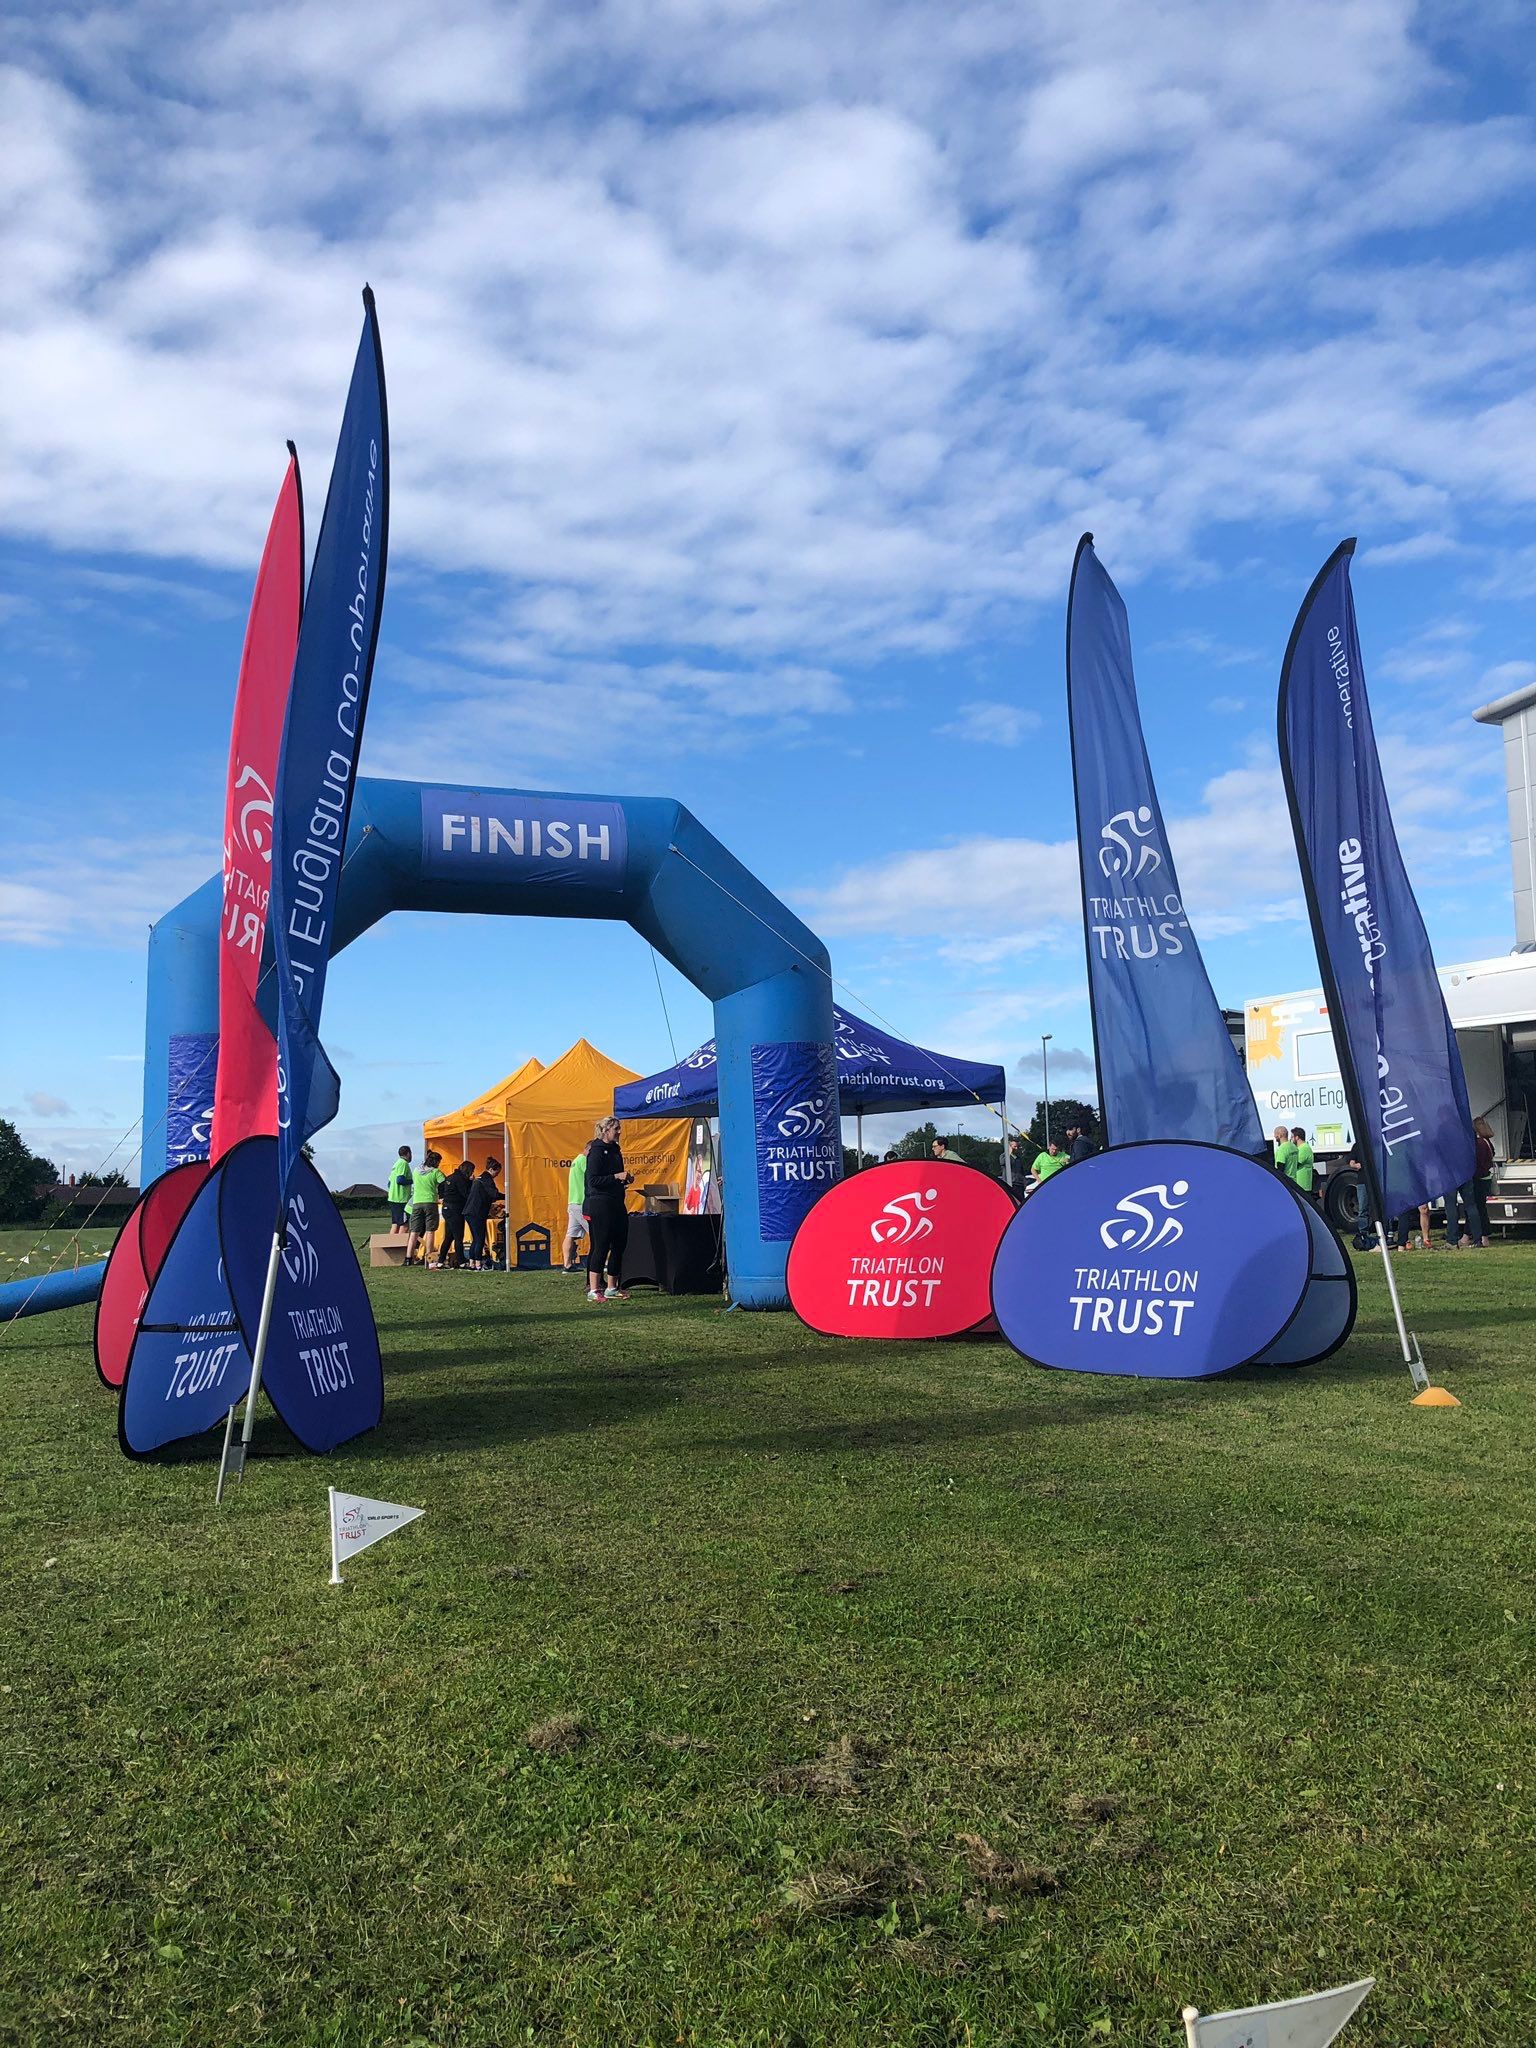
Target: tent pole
[506, 1197]
[858, 1143]
[1007, 1148]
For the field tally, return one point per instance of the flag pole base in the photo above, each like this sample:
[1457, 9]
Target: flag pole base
[1435, 1397]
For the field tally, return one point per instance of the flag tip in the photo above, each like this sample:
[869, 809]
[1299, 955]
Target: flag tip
[1435, 1397]
[293, 452]
[368, 297]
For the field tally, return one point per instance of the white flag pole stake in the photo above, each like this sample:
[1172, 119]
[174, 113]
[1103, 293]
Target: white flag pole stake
[1311, 2022]
[233, 1459]
[1424, 1395]
[335, 1567]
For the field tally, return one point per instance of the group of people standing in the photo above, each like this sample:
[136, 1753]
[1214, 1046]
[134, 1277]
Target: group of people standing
[1053, 1155]
[422, 1198]
[1466, 1206]
[1294, 1160]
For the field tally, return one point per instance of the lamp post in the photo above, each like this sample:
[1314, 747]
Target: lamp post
[1045, 1079]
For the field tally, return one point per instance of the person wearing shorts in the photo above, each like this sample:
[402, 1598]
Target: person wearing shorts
[575, 1207]
[424, 1191]
[400, 1179]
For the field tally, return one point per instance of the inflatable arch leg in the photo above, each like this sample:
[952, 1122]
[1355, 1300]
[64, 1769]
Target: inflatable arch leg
[645, 861]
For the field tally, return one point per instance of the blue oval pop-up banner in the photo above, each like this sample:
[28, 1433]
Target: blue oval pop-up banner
[188, 1363]
[1165, 1262]
[322, 1371]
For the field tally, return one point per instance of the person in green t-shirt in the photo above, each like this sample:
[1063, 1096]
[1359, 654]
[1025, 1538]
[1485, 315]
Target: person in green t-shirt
[1302, 1162]
[575, 1219]
[425, 1183]
[1048, 1162]
[1285, 1152]
[400, 1178]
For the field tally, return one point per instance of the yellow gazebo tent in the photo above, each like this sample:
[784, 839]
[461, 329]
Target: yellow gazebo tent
[546, 1120]
[478, 1131]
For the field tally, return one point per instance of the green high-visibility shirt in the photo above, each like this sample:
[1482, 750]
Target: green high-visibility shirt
[400, 1179]
[1285, 1159]
[576, 1186]
[425, 1182]
[1301, 1166]
[1045, 1165]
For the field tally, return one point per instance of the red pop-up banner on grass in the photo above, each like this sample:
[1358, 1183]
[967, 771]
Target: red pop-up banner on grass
[901, 1250]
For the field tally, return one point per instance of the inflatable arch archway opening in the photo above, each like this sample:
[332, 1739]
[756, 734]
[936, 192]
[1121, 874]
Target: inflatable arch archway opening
[645, 861]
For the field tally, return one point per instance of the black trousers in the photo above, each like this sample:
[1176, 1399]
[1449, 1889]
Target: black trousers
[610, 1234]
[453, 1236]
[477, 1237]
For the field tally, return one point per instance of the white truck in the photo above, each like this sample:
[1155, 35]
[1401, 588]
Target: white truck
[1293, 1071]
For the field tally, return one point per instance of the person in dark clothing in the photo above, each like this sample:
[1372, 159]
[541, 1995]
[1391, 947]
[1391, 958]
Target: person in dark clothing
[481, 1199]
[605, 1211]
[1473, 1198]
[1079, 1145]
[454, 1197]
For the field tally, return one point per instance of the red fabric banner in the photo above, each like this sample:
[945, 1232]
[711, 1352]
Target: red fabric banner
[135, 1259]
[901, 1250]
[245, 1093]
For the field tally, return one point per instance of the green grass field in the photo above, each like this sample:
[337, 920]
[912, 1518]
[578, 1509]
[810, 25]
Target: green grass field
[918, 1696]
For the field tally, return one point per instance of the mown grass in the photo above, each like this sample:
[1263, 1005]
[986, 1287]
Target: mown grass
[915, 1695]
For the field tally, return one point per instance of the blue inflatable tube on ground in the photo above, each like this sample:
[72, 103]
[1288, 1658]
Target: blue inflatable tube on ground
[50, 1291]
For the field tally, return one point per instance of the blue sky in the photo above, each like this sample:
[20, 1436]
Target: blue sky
[753, 370]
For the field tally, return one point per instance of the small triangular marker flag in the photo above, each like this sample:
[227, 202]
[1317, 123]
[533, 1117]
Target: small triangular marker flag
[357, 1521]
[1294, 2023]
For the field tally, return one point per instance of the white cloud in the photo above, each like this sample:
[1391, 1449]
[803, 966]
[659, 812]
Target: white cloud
[991, 724]
[1009, 895]
[758, 329]
[40, 1103]
[95, 890]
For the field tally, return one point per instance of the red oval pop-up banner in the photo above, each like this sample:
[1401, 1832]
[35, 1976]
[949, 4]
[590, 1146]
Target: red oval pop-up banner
[137, 1254]
[901, 1250]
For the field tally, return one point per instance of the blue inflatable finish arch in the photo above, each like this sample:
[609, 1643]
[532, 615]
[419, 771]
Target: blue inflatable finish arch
[644, 861]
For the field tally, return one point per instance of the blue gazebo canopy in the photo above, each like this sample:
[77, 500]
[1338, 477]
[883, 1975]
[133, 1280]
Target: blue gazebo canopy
[874, 1072]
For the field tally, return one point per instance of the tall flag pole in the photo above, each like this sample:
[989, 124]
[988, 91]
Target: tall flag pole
[1167, 1067]
[245, 1091]
[1397, 1053]
[317, 771]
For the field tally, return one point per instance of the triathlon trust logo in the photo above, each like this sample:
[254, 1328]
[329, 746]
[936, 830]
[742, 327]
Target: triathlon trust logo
[254, 819]
[354, 1525]
[904, 1219]
[1145, 1219]
[301, 1261]
[704, 1057]
[804, 1119]
[1126, 853]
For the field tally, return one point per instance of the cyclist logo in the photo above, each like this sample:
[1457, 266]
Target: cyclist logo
[804, 1119]
[904, 1219]
[1146, 1219]
[1126, 853]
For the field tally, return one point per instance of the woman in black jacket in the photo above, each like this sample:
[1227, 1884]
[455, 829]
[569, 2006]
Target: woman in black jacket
[482, 1197]
[605, 1211]
[455, 1193]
